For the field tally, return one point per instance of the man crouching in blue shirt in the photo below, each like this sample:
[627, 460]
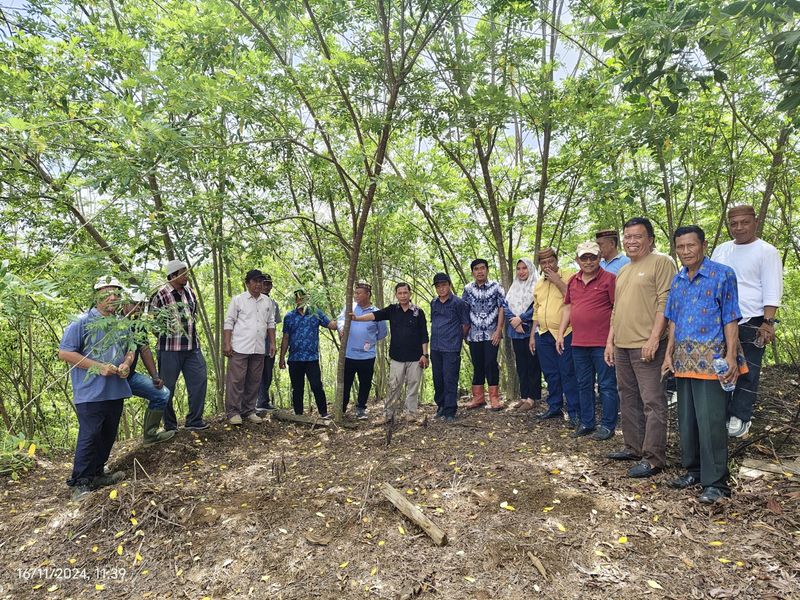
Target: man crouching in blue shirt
[98, 396]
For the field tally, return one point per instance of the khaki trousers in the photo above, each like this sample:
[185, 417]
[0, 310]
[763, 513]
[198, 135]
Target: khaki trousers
[410, 374]
[241, 383]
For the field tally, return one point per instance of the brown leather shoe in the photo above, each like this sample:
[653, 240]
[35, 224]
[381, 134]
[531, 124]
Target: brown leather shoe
[478, 398]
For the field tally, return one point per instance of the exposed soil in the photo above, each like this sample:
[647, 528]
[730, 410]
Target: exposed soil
[288, 511]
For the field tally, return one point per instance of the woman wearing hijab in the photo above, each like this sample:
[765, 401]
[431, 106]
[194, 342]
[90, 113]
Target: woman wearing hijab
[519, 317]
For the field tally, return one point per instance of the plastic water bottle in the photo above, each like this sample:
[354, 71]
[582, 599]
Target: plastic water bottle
[720, 368]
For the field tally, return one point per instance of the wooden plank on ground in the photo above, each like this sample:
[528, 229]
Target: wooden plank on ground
[400, 502]
[752, 467]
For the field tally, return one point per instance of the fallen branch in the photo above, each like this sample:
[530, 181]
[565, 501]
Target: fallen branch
[285, 415]
[438, 536]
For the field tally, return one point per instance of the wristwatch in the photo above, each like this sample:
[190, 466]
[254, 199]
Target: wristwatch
[771, 321]
[426, 355]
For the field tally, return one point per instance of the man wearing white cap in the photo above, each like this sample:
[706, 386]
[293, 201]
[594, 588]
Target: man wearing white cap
[587, 307]
[99, 367]
[179, 349]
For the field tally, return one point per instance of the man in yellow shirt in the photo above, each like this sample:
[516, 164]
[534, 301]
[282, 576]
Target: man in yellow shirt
[637, 345]
[558, 369]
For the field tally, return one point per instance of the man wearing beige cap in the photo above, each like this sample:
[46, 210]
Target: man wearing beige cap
[636, 347]
[179, 349]
[587, 308]
[613, 260]
[759, 277]
[558, 368]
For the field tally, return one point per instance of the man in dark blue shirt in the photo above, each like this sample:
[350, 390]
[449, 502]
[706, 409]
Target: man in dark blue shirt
[449, 326]
[301, 339]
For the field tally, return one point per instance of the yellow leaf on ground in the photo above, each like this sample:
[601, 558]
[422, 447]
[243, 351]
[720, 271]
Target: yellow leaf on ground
[112, 494]
[382, 543]
[344, 565]
[401, 530]
[31, 450]
[555, 471]
[374, 571]
[548, 508]
[265, 578]
[623, 539]
[724, 561]
[651, 583]
[715, 543]
[469, 578]
[94, 548]
[561, 528]
[119, 549]
[52, 588]
[134, 522]
[138, 557]
[99, 587]
[72, 561]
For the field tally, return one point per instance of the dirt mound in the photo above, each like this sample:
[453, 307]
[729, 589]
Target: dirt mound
[289, 511]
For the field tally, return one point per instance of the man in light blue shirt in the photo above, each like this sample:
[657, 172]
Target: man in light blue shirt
[100, 363]
[361, 348]
[612, 259]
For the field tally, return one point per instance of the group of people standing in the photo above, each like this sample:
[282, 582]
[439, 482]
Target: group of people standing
[620, 324]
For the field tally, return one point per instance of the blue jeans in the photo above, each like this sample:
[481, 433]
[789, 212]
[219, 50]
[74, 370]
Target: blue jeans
[195, 375]
[142, 386]
[588, 363]
[445, 367]
[559, 373]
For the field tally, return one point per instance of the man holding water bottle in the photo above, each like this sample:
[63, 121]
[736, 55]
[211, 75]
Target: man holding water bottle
[703, 314]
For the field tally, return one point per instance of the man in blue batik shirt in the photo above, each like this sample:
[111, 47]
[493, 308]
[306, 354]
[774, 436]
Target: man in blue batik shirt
[362, 345]
[486, 301]
[99, 394]
[301, 339]
[703, 313]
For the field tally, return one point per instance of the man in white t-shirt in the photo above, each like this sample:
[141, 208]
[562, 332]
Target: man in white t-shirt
[759, 276]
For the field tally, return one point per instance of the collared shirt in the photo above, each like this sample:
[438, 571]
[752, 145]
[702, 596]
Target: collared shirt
[182, 307]
[592, 303]
[485, 303]
[81, 337]
[303, 332]
[362, 342]
[249, 318]
[700, 308]
[409, 331]
[640, 294]
[615, 264]
[759, 274]
[548, 305]
[447, 321]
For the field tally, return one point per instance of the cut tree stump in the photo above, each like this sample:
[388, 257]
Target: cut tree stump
[752, 467]
[399, 501]
[286, 415]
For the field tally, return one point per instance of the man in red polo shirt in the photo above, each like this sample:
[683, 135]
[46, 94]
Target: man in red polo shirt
[587, 306]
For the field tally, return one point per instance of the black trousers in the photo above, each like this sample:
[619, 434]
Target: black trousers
[743, 399]
[266, 381]
[528, 370]
[484, 363]
[98, 423]
[364, 368]
[299, 371]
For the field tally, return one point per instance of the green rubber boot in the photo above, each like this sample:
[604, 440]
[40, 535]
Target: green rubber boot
[152, 419]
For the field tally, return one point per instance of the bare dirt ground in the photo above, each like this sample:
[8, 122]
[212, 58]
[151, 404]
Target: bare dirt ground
[288, 511]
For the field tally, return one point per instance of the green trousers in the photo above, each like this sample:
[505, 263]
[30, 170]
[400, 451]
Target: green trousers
[702, 414]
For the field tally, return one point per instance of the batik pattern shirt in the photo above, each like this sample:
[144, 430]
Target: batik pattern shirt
[485, 303]
[700, 308]
[303, 332]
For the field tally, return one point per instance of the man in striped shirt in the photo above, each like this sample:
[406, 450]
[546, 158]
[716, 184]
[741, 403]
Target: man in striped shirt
[179, 347]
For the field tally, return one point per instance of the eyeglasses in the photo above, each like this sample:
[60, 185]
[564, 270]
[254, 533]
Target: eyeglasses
[588, 258]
